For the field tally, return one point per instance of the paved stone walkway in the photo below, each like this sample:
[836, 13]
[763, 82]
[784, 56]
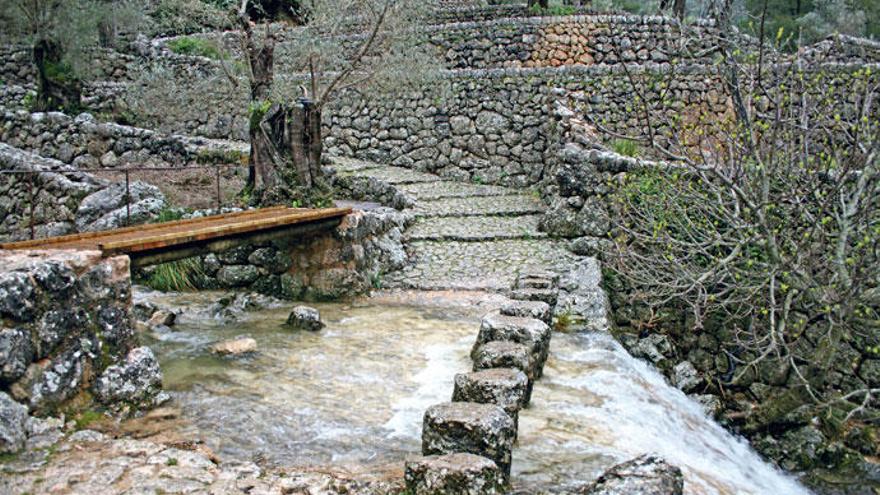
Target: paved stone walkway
[466, 236]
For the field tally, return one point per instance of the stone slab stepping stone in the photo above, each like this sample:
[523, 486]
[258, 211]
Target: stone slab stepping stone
[481, 429]
[538, 310]
[534, 283]
[549, 296]
[527, 331]
[504, 354]
[453, 474]
[504, 387]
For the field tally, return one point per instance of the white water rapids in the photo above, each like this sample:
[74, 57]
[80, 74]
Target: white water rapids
[355, 393]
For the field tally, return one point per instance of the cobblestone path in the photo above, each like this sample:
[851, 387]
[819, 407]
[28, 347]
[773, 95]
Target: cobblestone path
[466, 236]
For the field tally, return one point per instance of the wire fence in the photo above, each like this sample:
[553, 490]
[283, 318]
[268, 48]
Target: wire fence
[33, 188]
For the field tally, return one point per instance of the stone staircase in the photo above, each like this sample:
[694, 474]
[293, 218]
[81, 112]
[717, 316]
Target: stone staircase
[466, 236]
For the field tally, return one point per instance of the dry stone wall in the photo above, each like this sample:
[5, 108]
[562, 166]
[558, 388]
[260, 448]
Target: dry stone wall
[85, 143]
[64, 199]
[571, 40]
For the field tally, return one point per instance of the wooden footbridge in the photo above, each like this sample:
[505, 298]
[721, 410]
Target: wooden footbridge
[157, 243]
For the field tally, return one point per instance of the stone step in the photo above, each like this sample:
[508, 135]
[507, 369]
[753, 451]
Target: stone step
[509, 205]
[345, 164]
[549, 296]
[451, 189]
[475, 228]
[468, 427]
[491, 265]
[530, 332]
[393, 175]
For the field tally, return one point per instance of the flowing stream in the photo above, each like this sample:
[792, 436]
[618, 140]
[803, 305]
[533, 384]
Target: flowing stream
[354, 394]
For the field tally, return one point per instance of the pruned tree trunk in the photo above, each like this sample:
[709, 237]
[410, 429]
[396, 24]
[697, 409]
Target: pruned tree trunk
[53, 92]
[289, 160]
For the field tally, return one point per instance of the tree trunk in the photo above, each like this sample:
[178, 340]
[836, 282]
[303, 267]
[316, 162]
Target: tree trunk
[56, 88]
[288, 157]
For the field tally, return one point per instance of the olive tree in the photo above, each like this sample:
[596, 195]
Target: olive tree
[62, 35]
[344, 44]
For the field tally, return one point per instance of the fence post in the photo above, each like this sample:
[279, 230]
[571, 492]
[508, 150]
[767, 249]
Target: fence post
[33, 185]
[127, 200]
[219, 199]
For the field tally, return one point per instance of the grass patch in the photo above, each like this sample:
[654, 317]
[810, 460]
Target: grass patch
[172, 461]
[176, 276]
[626, 147]
[198, 47]
[86, 418]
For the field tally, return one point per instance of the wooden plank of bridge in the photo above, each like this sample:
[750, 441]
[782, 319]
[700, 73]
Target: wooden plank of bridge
[169, 234]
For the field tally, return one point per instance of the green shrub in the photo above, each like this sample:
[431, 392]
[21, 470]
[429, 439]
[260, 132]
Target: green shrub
[626, 147]
[198, 47]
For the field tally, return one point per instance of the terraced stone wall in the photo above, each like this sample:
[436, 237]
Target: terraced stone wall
[67, 336]
[85, 143]
[497, 126]
[571, 40]
[62, 200]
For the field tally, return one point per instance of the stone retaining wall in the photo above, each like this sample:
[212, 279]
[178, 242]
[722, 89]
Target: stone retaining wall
[86, 143]
[67, 336]
[572, 40]
[65, 200]
[346, 261]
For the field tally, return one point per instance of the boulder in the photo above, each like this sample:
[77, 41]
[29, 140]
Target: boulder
[685, 377]
[538, 310]
[504, 387]
[530, 332]
[235, 347]
[453, 474]
[305, 318]
[106, 209]
[645, 475]
[13, 425]
[481, 429]
[136, 381]
[162, 317]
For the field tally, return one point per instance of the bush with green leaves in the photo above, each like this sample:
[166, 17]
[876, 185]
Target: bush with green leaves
[199, 47]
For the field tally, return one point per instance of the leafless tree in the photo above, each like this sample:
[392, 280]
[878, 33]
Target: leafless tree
[765, 224]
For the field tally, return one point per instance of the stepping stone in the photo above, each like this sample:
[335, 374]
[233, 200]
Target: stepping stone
[533, 283]
[504, 387]
[503, 354]
[530, 332]
[481, 429]
[453, 474]
[549, 296]
[538, 310]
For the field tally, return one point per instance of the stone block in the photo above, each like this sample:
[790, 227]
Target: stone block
[453, 474]
[504, 387]
[481, 429]
[503, 354]
[538, 310]
[535, 334]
